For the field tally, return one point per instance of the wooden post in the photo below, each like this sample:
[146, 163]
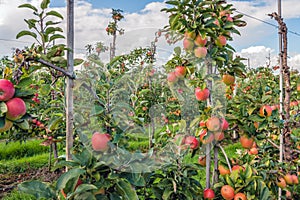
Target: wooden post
[69, 87]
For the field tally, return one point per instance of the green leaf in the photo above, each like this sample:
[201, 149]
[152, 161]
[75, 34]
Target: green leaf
[54, 13]
[175, 3]
[25, 82]
[66, 177]
[27, 5]
[55, 122]
[23, 125]
[3, 107]
[23, 33]
[126, 190]
[50, 30]
[37, 189]
[177, 51]
[78, 61]
[84, 187]
[45, 4]
[167, 193]
[31, 23]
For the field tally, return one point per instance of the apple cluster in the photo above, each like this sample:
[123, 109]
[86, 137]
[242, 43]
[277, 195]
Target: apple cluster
[16, 107]
[197, 43]
[213, 129]
[287, 179]
[178, 73]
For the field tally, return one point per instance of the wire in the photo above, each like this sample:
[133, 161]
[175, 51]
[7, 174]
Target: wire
[263, 21]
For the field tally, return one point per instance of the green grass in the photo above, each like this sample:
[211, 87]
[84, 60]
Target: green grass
[14, 150]
[22, 164]
[17, 195]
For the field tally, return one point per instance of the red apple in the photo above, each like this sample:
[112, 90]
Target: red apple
[224, 124]
[213, 124]
[201, 95]
[192, 142]
[227, 192]
[265, 111]
[223, 171]
[172, 77]
[281, 183]
[229, 18]
[200, 41]
[180, 71]
[288, 179]
[202, 123]
[253, 151]
[208, 194]
[219, 136]
[240, 196]
[188, 44]
[200, 52]
[16, 108]
[237, 167]
[206, 137]
[100, 141]
[246, 141]
[190, 35]
[7, 125]
[295, 179]
[221, 41]
[7, 90]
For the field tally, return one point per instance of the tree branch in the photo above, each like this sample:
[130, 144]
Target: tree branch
[65, 72]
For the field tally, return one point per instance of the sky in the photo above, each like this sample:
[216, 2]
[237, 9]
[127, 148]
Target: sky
[258, 41]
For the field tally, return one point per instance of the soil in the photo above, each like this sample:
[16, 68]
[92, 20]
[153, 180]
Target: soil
[10, 181]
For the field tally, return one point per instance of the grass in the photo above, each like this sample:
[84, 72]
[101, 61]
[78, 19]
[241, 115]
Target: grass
[14, 150]
[20, 165]
[17, 195]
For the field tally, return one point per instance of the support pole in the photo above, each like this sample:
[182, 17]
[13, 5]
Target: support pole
[70, 83]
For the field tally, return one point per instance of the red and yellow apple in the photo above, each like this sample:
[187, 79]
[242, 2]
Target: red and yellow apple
[228, 79]
[246, 142]
[221, 41]
[227, 192]
[192, 142]
[201, 95]
[200, 52]
[208, 194]
[100, 141]
[240, 196]
[265, 111]
[200, 41]
[7, 90]
[16, 108]
[180, 71]
[213, 124]
[222, 170]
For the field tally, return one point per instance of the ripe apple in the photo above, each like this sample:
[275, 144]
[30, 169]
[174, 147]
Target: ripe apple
[265, 111]
[240, 196]
[16, 108]
[288, 179]
[202, 123]
[295, 179]
[219, 136]
[172, 77]
[7, 90]
[222, 170]
[200, 52]
[229, 18]
[202, 160]
[224, 124]
[180, 71]
[7, 125]
[221, 41]
[213, 124]
[227, 192]
[294, 103]
[237, 167]
[208, 194]
[298, 87]
[201, 95]
[192, 142]
[200, 41]
[188, 44]
[281, 183]
[253, 151]
[228, 79]
[246, 141]
[206, 137]
[100, 141]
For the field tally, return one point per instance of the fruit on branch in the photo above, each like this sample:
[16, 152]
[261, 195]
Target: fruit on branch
[288, 179]
[265, 111]
[100, 141]
[16, 108]
[246, 142]
[206, 137]
[200, 41]
[7, 90]
[253, 151]
[192, 142]
[221, 41]
[180, 71]
[227, 192]
[208, 194]
[202, 123]
[200, 52]
[228, 79]
[295, 179]
[202, 160]
[188, 44]
[7, 125]
[213, 124]
[281, 183]
[222, 170]
[219, 136]
[172, 78]
[240, 196]
[237, 167]
[224, 124]
[201, 95]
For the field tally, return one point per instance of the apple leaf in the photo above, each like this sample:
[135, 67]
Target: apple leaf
[24, 33]
[27, 5]
[54, 13]
[127, 191]
[23, 125]
[66, 177]
[38, 189]
[3, 108]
